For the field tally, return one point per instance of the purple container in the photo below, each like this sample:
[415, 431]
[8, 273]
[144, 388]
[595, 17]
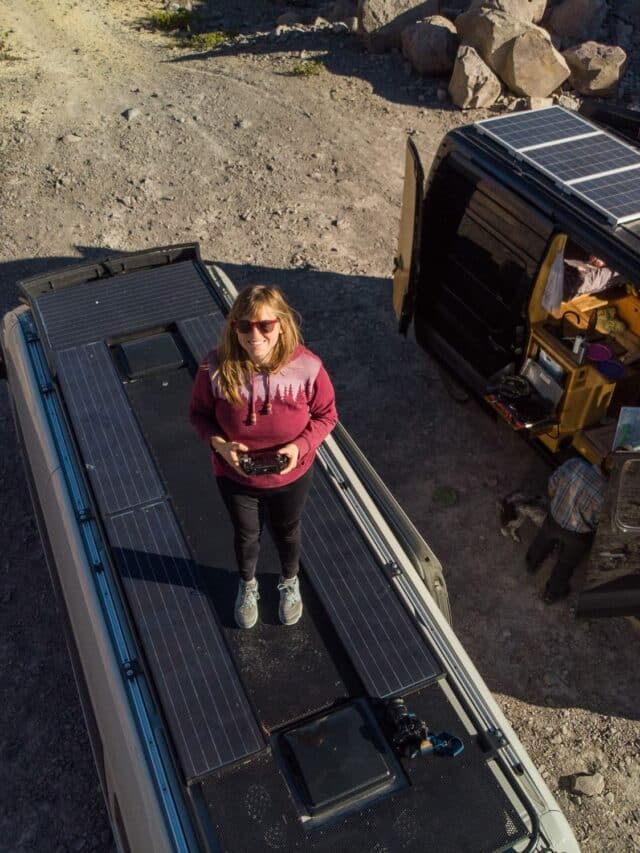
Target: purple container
[598, 352]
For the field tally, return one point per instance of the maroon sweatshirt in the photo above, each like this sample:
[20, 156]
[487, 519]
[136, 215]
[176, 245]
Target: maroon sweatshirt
[297, 405]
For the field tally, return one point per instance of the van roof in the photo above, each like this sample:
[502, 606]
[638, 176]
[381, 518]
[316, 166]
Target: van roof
[569, 212]
[578, 156]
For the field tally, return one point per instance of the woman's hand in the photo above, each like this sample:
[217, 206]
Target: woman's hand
[230, 452]
[292, 453]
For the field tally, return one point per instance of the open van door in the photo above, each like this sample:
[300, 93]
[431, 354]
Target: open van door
[407, 261]
[612, 586]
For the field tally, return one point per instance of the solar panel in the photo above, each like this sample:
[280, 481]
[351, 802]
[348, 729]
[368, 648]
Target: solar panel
[585, 161]
[575, 160]
[122, 304]
[209, 716]
[536, 127]
[115, 455]
[618, 194]
[201, 334]
[383, 643]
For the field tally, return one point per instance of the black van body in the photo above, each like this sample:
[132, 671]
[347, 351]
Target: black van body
[477, 241]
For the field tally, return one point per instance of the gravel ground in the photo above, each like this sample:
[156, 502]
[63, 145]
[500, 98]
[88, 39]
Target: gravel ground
[297, 181]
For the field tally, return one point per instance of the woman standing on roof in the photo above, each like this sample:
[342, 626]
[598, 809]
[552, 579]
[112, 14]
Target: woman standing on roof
[262, 390]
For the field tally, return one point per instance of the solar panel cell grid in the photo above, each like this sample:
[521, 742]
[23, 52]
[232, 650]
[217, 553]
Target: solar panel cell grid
[619, 194]
[597, 168]
[201, 334]
[579, 158]
[114, 452]
[536, 127]
[206, 707]
[122, 304]
[382, 641]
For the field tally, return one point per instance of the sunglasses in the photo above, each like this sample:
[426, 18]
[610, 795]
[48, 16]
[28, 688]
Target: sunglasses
[245, 326]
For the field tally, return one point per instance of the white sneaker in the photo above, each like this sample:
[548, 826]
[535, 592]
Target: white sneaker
[246, 609]
[290, 609]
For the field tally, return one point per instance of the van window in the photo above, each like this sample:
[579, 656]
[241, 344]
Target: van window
[480, 251]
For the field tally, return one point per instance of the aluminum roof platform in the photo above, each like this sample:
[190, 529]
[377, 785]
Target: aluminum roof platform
[225, 697]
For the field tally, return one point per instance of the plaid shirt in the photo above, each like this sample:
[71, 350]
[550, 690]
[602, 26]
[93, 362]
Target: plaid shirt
[577, 490]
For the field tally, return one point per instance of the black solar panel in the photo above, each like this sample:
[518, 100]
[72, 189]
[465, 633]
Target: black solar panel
[122, 304]
[205, 705]
[382, 641]
[201, 334]
[536, 127]
[114, 452]
[595, 166]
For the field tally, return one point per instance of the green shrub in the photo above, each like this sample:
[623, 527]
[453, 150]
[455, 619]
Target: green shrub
[5, 49]
[308, 68]
[209, 41]
[166, 21]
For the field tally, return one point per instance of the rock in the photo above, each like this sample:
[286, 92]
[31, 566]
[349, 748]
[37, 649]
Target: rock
[538, 103]
[587, 784]
[568, 101]
[130, 114]
[489, 32]
[596, 69]
[532, 66]
[70, 138]
[431, 46]
[531, 11]
[289, 19]
[577, 20]
[473, 84]
[381, 22]
[442, 95]
[341, 10]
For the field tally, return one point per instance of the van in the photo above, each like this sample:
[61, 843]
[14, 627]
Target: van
[519, 264]
[364, 727]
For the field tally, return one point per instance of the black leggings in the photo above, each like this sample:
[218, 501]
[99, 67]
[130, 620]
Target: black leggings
[246, 507]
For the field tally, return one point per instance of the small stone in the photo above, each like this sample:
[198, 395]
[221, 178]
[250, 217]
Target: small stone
[242, 123]
[587, 784]
[70, 138]
[539, 103]
[131, 113]
[442, 95]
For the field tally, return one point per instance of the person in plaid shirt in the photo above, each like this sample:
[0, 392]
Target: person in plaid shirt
[576, 493]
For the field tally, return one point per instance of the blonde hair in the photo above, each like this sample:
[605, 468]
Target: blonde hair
[234, 365]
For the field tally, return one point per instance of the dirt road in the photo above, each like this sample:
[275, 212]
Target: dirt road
[296, 181]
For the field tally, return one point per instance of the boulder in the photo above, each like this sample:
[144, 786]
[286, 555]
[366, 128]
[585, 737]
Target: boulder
[489, 32]
[577, 20]
[340, 10]
[473, 84]
[587, 784]
[532, 66]
[381, 22]
[525, 10]
[431, 46]
[596, 69]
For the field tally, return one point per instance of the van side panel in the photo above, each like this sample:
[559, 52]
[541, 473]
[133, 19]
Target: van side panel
[481, 249]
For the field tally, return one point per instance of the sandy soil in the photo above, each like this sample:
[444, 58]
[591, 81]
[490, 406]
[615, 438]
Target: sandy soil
[295, 181]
